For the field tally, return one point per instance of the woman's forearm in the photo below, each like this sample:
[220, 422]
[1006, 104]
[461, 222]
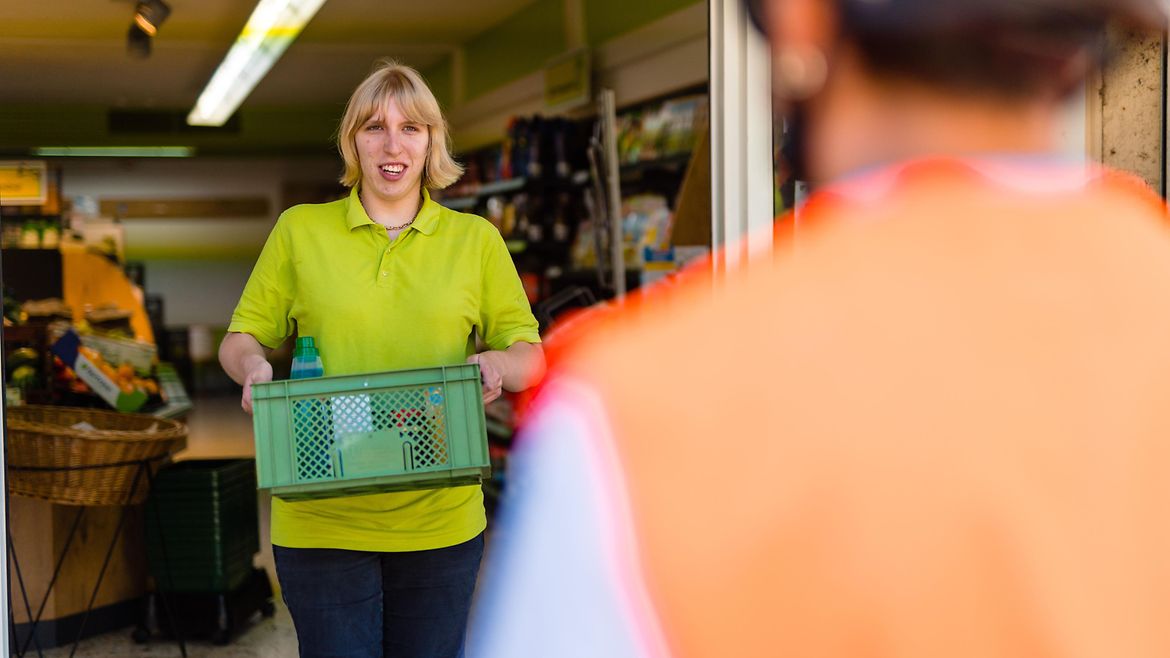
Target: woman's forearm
[522, 366]
[239, 353]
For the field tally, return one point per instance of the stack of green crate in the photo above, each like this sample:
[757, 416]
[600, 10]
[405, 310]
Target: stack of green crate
[207, 518]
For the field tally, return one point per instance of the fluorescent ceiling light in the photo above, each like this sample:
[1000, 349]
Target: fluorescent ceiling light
[115, 151]
[270, 30]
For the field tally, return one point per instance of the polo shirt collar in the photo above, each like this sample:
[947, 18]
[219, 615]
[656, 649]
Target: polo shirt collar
[428, 215]
[425, 222]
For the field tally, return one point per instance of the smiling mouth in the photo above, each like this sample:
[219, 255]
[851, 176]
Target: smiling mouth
[393, 169]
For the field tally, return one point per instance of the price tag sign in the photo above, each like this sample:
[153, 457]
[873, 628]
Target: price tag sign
[23, 183]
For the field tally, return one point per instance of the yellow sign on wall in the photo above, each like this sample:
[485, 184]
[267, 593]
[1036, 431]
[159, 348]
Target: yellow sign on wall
[567, 81]
[23, 183]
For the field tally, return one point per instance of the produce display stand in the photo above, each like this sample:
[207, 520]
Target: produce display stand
[84, 457]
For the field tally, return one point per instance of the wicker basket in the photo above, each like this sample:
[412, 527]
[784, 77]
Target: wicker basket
[50, 460]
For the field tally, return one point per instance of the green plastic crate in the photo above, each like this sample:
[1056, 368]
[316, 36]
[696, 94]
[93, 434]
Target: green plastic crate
[214, 571]
[356, 434]
[206, 511]
[199, 476]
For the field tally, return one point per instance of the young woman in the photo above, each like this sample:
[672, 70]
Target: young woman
[385, 279]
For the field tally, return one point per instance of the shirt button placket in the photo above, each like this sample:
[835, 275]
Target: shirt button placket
[384, 269]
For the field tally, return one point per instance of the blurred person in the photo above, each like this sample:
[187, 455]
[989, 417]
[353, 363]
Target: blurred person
[936, 424]
[385, 279]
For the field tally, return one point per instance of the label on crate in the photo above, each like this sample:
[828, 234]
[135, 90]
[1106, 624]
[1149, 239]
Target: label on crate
[370, 453]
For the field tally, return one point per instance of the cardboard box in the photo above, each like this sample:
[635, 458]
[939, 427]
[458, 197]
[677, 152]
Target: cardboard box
[68, 349]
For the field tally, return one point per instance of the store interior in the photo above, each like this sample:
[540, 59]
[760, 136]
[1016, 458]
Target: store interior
[131, 233]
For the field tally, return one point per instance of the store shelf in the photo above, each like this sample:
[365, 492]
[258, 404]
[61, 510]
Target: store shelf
[498, 428]
[587, 278]
[461, 204]
[468, 202]
[502, 186]
[636, 171]
[498, 417]
[33, 273]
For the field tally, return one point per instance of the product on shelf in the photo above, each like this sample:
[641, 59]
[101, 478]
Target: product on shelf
[45, 310]
[113, 369]
[110, 320]
[26, 358]
[646, 225]
[535, 188]
[660, 131]
[646, 228]
[12, 310]
[23, 372]
[534, 149]
[584, 250]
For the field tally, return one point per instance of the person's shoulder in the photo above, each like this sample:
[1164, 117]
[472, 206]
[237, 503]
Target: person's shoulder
[464, 218]
[301, 216]
[656, 324]
[313, 210]
[1130, 185]
[469, 224]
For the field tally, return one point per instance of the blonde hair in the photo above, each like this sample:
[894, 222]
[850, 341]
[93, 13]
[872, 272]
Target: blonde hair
[391, 80]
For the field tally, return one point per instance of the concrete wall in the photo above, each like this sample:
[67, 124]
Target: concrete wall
[1128, 113]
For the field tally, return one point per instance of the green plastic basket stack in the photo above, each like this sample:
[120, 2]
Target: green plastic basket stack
[357, 434]
[207, 515]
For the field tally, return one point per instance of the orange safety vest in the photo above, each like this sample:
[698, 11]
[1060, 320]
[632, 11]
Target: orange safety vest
[937, 425]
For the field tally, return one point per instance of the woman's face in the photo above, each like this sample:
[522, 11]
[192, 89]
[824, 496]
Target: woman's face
[392, 151]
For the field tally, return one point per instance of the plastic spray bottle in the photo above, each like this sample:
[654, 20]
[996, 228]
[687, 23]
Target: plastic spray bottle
[312, 434]
[306, 359]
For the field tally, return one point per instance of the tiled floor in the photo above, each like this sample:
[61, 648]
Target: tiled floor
[217, 427]
[265, 638]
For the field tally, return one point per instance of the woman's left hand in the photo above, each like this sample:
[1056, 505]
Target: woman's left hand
[491, 370]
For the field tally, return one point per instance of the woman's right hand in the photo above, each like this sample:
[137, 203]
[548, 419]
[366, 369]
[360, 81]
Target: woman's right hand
[245, 360]
[259, 371]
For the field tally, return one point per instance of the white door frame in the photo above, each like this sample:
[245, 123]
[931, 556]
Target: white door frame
[741, 139]
[4, 591]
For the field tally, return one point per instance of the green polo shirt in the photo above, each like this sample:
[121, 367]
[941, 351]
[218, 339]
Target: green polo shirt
[329, 271]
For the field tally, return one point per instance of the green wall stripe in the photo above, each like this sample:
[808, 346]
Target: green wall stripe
[291, 131]
[520, 45]
[606, 19]
[439, 77]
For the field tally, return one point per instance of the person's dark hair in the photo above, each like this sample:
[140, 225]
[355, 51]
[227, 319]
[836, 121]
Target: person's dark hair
[1049, 54]
[1003, 47]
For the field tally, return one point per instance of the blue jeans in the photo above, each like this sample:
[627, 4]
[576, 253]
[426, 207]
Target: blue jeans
[357, 604]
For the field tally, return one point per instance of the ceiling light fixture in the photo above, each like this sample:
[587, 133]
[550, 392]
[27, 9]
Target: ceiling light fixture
[114, 151]
[273, 26]
[149, 15]
[138, 42]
